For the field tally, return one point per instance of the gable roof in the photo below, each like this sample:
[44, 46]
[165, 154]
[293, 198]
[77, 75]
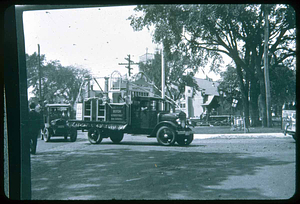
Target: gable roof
[211, 87]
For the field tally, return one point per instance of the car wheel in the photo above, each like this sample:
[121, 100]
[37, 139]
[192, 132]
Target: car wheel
[47, 135]
[73, 135]
[116, 136]
[166, 136]
[94, 136]
[186, 140]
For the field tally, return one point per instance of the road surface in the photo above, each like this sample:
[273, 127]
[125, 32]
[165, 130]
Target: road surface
[139, 168]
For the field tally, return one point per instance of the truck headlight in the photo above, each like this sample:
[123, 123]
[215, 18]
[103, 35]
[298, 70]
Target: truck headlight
[182, 123]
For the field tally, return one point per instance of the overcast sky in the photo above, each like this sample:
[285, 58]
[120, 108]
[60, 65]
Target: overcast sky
[93, 38]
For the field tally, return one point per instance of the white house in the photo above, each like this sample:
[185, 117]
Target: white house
[203, 100]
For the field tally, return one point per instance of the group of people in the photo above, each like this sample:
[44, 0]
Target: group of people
[35, 125]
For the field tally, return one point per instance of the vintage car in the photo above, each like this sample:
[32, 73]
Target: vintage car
[55, 117]
[290, 126]
[289, 119]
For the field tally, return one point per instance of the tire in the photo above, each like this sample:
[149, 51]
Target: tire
[94, 136]
[47, 135]
[42, 134]
[285, 129]
[116, 137]
[184, 141]
[166, 136]
[73, 135]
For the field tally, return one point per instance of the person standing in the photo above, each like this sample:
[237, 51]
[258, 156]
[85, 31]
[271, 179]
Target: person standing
[35, 125]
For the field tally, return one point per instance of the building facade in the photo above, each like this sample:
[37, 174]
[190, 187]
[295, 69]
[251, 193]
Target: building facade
[203, 102]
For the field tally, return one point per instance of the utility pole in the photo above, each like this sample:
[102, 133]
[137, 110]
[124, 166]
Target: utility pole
[162, 74]
[266, 68]
[40, 81]
[130, 62]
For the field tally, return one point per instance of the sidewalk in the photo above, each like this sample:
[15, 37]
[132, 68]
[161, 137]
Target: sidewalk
[226, 132]
[241, 135]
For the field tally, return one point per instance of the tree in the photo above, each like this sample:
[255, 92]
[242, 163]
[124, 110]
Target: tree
[175, 77]
[229, 87]
[32, 63]
[207, 31]
[58, 82]
[283, 86]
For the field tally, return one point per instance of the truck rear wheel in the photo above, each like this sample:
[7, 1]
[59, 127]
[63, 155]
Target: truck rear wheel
[166, 136]
[116, 136]
[94, 136]
[185, 140]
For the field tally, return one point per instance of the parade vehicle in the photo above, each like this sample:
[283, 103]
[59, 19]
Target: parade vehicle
[139, 114]
[55, 119]
[289, 119]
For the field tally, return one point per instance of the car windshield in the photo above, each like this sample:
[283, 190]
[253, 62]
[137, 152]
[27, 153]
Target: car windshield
[59, 112]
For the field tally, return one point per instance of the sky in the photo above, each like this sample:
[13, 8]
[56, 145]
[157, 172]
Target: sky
[96, 39]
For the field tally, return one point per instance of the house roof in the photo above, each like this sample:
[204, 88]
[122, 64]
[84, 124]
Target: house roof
[211, 87]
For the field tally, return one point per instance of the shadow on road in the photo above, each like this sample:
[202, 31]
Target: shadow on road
[146, 144]
[94, 173]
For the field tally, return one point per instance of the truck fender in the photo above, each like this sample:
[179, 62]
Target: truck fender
[166, 123]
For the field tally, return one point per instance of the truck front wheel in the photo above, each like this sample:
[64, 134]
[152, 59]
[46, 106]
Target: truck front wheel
[185, 140]
[166, 136]
[94, 136]
[73, 135]
[116, 137]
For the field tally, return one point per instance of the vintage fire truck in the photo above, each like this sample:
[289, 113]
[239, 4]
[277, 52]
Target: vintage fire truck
[135, 114]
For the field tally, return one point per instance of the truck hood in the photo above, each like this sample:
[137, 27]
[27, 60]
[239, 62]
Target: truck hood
[173, 116]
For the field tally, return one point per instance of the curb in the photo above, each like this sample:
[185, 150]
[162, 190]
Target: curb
[242, 135]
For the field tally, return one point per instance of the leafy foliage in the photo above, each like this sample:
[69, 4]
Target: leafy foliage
[59, 83]
[175, 77]
[205, 32]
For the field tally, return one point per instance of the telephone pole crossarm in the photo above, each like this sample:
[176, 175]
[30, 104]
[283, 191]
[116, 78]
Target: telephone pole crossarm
[130, 62]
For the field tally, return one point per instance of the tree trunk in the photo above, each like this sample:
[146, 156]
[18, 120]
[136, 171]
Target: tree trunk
[254, 107]
[246, 111]
[262, 104]
[262, 97]
[244, 90]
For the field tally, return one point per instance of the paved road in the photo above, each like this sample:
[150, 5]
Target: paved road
[139, 168]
